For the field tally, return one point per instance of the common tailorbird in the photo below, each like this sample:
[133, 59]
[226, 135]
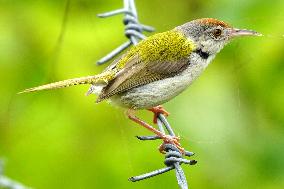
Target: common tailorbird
[158, 68]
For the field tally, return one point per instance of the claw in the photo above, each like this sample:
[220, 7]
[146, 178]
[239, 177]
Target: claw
[158, 110]
[174, 140]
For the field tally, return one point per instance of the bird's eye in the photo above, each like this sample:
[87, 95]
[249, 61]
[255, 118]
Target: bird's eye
[217, 32]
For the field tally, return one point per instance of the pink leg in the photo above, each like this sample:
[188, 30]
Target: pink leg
[168, 139]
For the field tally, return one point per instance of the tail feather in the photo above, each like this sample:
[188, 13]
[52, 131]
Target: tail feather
[101, 78]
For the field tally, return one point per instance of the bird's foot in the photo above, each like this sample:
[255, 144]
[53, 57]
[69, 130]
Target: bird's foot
[167, 139]
[158, 110]
[174, 140]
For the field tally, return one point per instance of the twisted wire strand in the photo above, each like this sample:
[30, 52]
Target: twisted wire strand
[133, 29]
[173, 157]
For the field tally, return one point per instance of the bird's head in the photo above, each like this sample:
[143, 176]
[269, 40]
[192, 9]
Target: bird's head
[211, 35]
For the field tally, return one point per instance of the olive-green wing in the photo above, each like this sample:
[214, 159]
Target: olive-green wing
[137, 73]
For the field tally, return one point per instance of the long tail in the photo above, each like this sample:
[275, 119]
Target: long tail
[101, 78]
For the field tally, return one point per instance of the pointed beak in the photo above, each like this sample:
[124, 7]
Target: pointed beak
[243, 32]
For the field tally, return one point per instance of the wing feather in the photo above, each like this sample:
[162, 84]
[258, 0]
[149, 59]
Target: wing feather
[159, 56]
[138, 74]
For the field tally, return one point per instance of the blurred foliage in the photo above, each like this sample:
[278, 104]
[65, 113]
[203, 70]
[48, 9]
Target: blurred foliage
[232, 117]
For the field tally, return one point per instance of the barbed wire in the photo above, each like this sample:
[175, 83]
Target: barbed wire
[133, 29]
[173, 157]
[7, 183]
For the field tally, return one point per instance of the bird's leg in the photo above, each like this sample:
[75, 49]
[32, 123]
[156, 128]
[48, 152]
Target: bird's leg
[168, 139]
[158, 110]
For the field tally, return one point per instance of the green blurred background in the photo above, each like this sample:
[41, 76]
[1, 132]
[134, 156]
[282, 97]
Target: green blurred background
[232, 117]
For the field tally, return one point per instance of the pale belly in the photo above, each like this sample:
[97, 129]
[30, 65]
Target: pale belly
[158, 92]
[149, 95]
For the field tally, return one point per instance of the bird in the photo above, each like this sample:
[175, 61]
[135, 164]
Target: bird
[158, 69]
